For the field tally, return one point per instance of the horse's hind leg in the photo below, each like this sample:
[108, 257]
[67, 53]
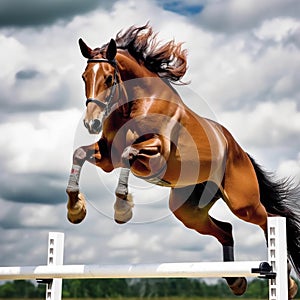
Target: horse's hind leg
[242, 195]
[241, 189]
[184, 203]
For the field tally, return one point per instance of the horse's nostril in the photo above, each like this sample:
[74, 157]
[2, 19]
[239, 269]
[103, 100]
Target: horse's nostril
[86, 124]
[96, 125]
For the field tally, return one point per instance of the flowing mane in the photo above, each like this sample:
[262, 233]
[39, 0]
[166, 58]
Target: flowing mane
[167, 60]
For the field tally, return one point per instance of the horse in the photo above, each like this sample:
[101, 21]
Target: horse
[146, 129]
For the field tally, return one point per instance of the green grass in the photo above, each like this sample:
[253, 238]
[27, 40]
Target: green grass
[164, 298]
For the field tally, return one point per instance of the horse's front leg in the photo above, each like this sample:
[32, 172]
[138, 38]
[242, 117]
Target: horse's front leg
[147, 158]
[76, 204]
[144, 159]
[124, 203]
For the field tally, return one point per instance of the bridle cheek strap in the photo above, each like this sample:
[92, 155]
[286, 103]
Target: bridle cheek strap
[93, 100]
[107, 103]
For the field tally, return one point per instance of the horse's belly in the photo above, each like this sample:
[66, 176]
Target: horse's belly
[198, 155]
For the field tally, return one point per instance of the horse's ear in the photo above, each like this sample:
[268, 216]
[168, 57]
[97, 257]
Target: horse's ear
[111, 50]
[85, 49]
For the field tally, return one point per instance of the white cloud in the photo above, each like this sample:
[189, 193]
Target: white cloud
[235, 16]
[10, 45]
[277, 29]
[232, 72]
[290, 168]
[268, 124]
[41, 146]
[126, 239]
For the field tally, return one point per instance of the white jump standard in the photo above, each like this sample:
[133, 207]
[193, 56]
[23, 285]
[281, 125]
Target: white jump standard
[53, 273]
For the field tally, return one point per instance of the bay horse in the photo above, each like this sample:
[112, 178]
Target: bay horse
[147, 129]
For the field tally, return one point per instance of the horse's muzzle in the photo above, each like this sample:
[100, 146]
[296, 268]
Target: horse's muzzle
[94, 126]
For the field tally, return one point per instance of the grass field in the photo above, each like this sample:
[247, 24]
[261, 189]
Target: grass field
[164, 298]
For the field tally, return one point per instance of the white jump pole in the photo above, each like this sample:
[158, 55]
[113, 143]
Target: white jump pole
[277, 254]
[55, 271]
[163, 270]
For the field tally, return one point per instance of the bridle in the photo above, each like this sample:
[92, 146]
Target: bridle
[106, 104]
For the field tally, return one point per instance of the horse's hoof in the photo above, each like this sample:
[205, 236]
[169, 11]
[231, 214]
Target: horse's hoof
[123, 209]
[238, 286]
[293, 289]
[76, 213]
[76, 218]
[123, 219]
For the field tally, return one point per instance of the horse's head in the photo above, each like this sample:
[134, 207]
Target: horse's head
[101, 78]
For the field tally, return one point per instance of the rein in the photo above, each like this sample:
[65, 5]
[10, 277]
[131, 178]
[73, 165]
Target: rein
[106, 104]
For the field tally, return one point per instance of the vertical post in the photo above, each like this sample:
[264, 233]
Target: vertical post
[278, 287]
[55, 257]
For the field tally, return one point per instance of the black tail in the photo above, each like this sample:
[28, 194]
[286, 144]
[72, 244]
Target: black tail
[282, 199]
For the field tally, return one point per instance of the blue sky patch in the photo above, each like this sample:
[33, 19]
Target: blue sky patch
[182, 8]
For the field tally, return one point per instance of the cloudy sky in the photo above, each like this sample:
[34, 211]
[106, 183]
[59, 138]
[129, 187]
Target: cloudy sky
[244, 62]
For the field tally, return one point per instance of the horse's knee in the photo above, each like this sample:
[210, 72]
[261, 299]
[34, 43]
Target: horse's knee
[153, 166]
[147, 158]
[79, 155]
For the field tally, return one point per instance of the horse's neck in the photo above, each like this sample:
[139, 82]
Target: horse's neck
[130, 69]
[141, 82]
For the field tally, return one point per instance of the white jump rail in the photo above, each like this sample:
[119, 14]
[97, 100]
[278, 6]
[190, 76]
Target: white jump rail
[163, 270]
[275, 269]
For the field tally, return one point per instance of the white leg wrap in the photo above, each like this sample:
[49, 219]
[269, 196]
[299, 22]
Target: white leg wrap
[73, 184]
[122, 188]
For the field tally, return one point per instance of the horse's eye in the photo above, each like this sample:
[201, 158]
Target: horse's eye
[108, 80]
